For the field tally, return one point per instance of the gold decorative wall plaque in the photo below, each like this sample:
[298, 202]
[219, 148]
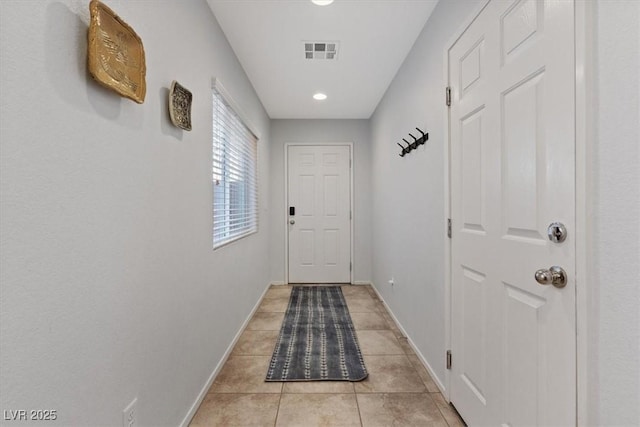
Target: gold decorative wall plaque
[180, 106]
[116, 54]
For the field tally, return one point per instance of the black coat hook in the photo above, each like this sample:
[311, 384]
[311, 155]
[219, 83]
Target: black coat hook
[409, 147]
[423, 138]
[404, 150]
[414, 144]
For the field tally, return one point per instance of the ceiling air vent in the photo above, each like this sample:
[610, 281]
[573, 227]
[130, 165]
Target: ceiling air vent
[321, 50]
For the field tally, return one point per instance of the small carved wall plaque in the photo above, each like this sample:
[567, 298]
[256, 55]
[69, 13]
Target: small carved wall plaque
[180, 106]
[115, 53]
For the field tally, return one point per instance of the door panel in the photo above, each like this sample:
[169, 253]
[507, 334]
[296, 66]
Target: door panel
[512, 174]
[522, 148]
[319, 232]
[473, 209]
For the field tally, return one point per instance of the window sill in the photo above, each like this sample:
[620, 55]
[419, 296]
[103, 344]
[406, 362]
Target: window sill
[233, 240]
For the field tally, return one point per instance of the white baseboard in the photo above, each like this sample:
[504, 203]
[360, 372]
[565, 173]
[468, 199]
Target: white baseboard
[421, 357]
[357, 282]
[203, 393]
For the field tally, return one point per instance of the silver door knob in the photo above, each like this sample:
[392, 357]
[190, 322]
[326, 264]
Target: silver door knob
[292, 221]
[555, 276]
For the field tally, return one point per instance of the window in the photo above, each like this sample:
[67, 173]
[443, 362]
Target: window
[235, 154]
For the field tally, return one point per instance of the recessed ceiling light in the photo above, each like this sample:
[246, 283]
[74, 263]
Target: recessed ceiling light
[320, 96]
[322, 2]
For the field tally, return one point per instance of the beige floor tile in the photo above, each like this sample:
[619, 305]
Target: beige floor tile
[404, 343]
[318, 387]
[399, 409]
[237, 410]
[378, 342]
[368, 321]
[306, 410]
[245, 374]
[278, 292]
[390, 374]
[362, 304]
[424, 374]
[397, 333]
[355, 290]
[392, 324]
[266, 321]
[395, 393]
[255, 343]
[365, 295]
[274, 305]
[448, 412]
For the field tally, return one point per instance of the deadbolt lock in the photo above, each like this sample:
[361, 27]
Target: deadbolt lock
[557, 232]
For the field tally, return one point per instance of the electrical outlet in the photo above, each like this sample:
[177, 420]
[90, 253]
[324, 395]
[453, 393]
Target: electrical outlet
[129, 414]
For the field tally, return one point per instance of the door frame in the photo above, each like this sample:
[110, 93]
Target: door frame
[286, 201]
[584, 19]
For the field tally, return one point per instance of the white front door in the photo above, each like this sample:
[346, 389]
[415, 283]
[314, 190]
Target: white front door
[513, 340]
[319, 216]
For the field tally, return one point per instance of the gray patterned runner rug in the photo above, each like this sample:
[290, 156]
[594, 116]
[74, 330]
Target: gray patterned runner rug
[317, 340]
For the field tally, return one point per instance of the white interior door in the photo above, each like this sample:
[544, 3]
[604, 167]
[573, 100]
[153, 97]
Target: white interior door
[512, 174]
[319, 217]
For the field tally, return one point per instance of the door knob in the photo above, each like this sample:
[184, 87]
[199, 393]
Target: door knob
[292, 221]
[555, 276]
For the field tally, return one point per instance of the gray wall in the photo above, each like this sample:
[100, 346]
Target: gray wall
[614, 170]
[408, 197]
[110, 286]
[323, 131]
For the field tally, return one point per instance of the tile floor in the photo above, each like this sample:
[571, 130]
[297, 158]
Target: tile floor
[398, 391]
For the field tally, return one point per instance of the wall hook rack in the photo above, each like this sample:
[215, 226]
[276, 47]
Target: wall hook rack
[421, 140]
[424, 138]
[404, 149]
[414, 144]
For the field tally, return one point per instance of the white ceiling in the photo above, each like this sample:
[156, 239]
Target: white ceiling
[375, 36]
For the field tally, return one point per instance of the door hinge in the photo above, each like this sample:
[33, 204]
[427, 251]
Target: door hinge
[350, 266]
[448, 96]
[350, 214]
[449, 227]
[448, 359]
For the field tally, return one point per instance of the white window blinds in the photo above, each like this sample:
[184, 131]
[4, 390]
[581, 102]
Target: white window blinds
[235, 155]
